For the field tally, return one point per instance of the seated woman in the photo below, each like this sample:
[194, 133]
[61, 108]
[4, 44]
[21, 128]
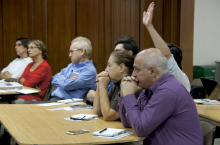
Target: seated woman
[120, 64]
[37, 74]
[17, 66]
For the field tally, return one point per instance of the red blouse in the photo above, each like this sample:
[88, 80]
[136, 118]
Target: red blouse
[40, 77]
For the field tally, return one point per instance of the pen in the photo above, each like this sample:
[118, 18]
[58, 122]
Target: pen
[97, 81]
[103, 130]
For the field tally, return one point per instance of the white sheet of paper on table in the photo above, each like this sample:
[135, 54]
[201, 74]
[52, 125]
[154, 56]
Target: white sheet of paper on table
[49, 104]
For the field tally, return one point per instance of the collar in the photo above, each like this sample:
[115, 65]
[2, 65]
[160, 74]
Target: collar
[158, 82]
[82, 64]
[118, 83]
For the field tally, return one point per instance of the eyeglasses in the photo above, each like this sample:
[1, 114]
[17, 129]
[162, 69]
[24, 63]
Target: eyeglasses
[32, 47]
[71, 51]
[18, 45]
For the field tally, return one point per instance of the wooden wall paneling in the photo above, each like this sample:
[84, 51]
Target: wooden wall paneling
[82, 23]
[117, 20]
[127, 26]
[166, 34]
[175, 22]
[50, 35]
[186, 36]
[65, 32]
[122, 21]
[1, 37]
[145, 40]
[18, 19]
[101, 36]
[73, 20]
[135, 20]
[39, 31]
[25, 20]
[90, 29]
[109, 43]
[57, 66]
[96, 55]
[30, 19]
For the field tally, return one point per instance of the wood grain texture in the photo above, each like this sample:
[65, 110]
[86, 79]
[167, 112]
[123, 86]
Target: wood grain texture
[57, 22]
[35, 125]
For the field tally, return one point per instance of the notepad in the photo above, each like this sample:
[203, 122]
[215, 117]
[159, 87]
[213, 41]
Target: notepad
[70, 100]
[84, 116]
[110, 132]
[10, 85]
[207, 102]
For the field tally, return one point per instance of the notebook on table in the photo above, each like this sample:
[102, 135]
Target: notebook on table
[109, 132]
[10, 85]
[212, 88]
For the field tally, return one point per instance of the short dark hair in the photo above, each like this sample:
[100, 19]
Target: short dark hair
[40, 45]
[129, 43]
[124, 57]
[177, 53]
[24, 41]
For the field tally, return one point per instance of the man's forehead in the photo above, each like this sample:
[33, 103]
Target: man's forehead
[73, 45]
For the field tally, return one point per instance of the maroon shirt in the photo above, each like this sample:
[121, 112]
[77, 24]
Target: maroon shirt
[166, 114]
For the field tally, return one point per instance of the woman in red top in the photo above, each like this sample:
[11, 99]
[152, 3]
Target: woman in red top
[36, 74]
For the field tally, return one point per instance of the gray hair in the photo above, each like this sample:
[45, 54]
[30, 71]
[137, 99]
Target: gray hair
[84, 43]
[155, 59]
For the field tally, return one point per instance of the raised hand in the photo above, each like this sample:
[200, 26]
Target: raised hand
[148, 16]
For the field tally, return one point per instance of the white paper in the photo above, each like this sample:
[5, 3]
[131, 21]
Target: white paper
[3, 91]
[85, 116]
[207, 102]
[118, 136]
[49, 104]
[55, 109]
[27, 91]
[2, 81]
[76, 120]
[76, 103]
[70, 100]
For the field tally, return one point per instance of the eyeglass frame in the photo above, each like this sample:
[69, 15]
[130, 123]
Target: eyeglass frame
[19, 45]
[32, 47]
[71, 51]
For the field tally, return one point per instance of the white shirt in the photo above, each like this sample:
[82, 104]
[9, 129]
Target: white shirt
[174, 69]
[17, 66]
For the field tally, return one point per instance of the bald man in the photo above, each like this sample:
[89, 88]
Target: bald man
[164, 113]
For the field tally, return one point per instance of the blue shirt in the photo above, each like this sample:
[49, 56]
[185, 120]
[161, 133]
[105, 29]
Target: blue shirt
[67, 88]
[110, 84]
[166, 114]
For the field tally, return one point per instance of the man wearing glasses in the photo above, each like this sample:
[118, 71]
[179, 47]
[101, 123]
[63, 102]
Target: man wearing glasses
[79, 76]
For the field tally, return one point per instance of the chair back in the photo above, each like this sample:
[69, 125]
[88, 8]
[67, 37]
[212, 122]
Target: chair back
[47, 94]
[208, 129]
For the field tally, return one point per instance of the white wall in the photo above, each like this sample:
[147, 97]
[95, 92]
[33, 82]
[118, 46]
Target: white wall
[207, 34]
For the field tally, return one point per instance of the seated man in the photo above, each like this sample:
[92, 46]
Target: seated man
[79, 76]
[127, 43]
[164, 113]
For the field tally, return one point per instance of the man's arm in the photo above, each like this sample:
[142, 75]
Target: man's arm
[158, 41]
[122, 112]
[154, 113]
[91, 95]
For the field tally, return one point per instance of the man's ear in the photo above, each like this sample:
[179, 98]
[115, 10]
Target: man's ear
[131, 52]
[83, 51]
[153, 71]
[122, 67]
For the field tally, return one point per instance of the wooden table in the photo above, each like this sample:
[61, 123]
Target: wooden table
[31, 124]
[209, 112]
[10, 96]
[17, 93]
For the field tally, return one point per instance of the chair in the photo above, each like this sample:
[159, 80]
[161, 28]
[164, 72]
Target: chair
[208, 129]
[47, 94]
